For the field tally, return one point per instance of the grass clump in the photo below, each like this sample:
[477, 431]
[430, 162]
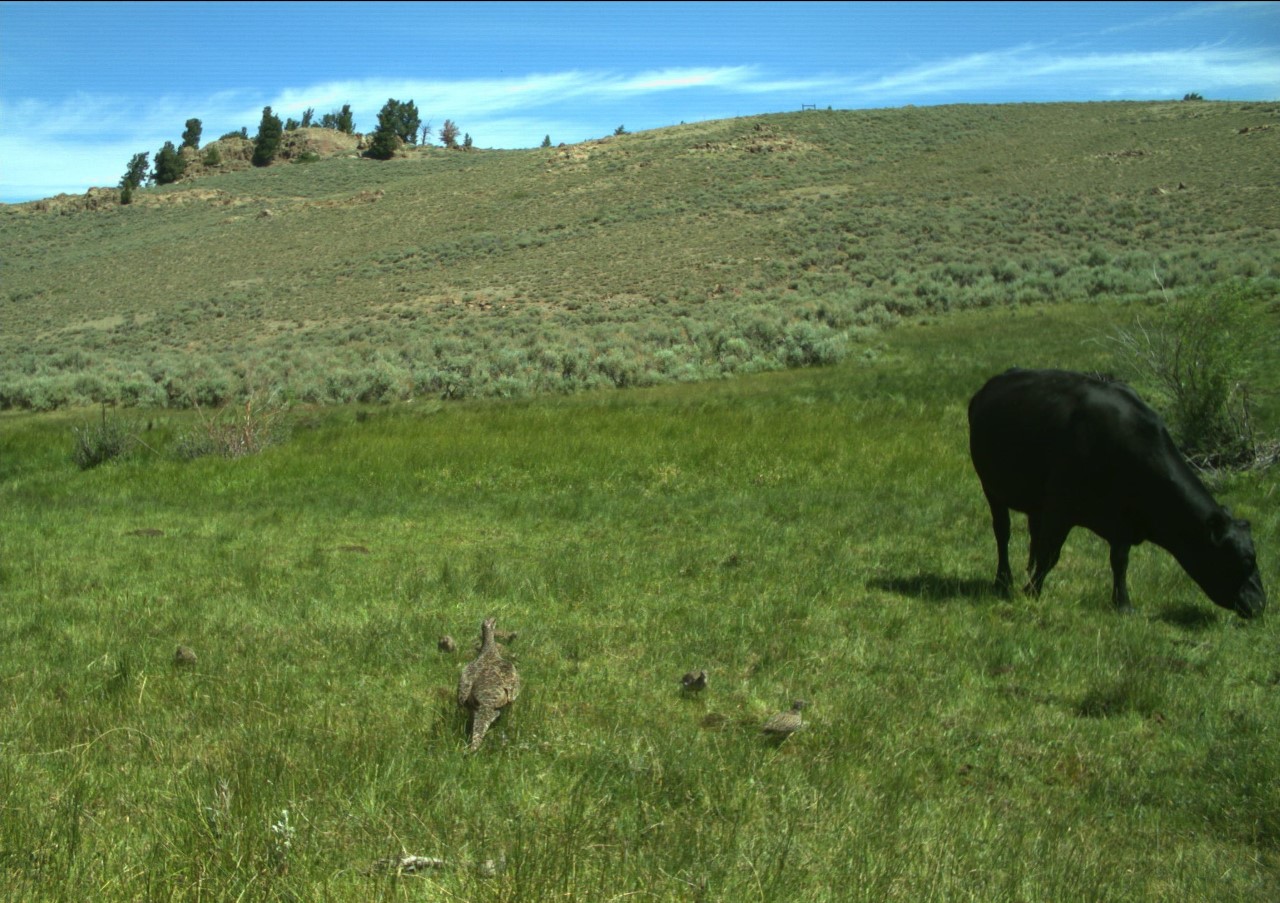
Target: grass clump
[234, 431]
[109, 439]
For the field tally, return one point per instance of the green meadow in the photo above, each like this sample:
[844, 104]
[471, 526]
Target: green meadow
[814, 533]
[692, 398]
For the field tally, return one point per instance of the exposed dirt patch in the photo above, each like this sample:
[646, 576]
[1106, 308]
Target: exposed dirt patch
[355, 200]
[93, 199]
[1122, 155]
[185, 196]
[321, 142]
[761, 140]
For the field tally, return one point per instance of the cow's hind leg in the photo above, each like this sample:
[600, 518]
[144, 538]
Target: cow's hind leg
[1000, 524]
[1119, 570]
[1047, 537]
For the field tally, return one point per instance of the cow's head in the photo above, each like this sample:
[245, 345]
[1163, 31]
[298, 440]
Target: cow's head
[1228, 569]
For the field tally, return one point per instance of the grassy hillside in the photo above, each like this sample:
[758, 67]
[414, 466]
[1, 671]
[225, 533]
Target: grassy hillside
[677, 254]
[816, 533]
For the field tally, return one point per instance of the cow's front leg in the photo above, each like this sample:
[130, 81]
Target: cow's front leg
[1119, 570]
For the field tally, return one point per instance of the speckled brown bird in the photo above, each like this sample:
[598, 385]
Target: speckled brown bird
[184, 657]
[504, 638]
[446, 644]
[487, 685]
[785, 723]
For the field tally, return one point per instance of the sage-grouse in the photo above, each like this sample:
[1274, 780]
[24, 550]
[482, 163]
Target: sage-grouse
[487, 685]
[785, 723]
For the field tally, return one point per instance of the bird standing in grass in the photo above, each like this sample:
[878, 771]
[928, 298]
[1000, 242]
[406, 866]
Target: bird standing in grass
[784, 724]
[694, 682]
[184, 657]
[487, 685]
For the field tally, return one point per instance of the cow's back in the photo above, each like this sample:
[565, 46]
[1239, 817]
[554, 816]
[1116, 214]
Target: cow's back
[1019, 425]
[1051, 436]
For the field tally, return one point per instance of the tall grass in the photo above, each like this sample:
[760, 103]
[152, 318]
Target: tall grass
[814, 534]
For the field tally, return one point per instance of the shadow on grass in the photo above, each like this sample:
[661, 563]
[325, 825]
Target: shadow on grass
[936, 587]
[1189, 616]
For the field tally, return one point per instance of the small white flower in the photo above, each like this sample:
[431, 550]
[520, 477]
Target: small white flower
[283, 831]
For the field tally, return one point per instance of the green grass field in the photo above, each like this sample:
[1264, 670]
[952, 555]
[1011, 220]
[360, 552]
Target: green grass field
[813, 533]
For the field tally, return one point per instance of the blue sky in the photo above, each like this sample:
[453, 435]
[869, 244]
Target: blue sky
[84, 86]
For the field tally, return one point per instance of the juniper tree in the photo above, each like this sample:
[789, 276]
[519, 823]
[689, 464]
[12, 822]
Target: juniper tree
[402, 118]
[384, 144]
[267, 143]
[191, 137]
[339, 120]
[169, 165]
[136, 174]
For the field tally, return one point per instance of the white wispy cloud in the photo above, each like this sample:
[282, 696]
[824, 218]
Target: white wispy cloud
[88, 139]
[1234, 8]
[480, 97]
[1039, 70]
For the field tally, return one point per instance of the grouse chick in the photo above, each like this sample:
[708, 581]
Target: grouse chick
[694, 682]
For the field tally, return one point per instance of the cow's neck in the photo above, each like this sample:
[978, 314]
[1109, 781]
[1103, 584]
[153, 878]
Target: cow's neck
[1182, 512]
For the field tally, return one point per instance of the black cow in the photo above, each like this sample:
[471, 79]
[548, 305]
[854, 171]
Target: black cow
[1074, 450]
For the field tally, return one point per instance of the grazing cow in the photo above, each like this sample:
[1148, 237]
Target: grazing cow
[1074, 450]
